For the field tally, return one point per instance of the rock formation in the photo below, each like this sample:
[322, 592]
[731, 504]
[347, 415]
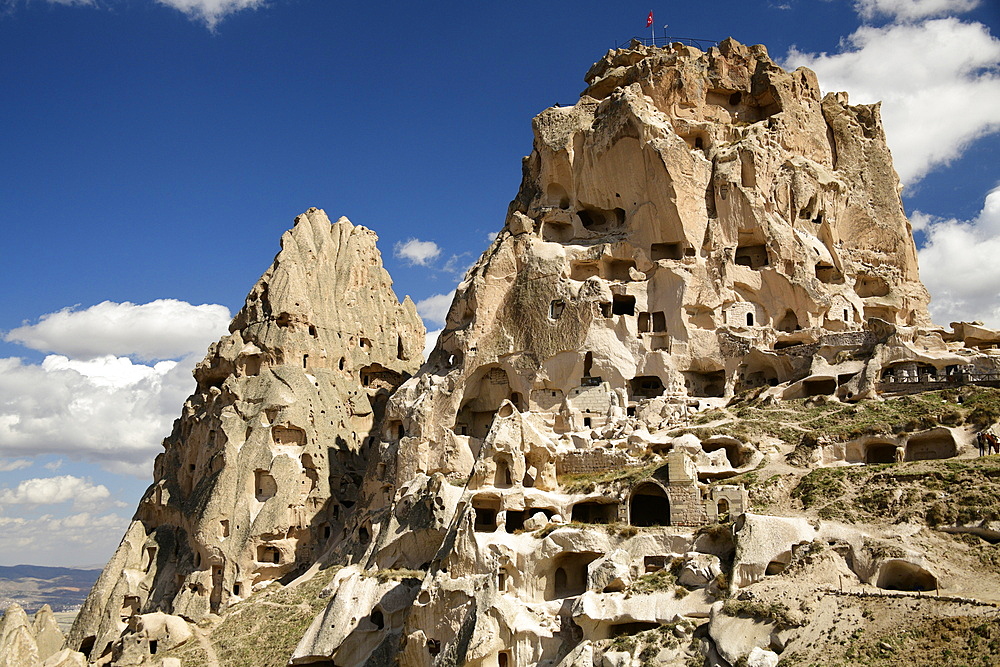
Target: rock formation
[33, 643]
[700, 237]
[266, 461]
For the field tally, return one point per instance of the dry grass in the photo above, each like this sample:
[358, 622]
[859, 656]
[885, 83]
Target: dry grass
[263, 630]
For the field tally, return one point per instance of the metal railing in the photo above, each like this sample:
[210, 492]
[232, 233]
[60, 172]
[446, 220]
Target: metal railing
[703, 44]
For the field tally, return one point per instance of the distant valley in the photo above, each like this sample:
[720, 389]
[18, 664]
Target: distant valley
[31, 586]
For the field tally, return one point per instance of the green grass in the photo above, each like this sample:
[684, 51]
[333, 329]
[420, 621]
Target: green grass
[960, 641]
[748, 418]
[936, 493]
[776, 612]
[625, 476]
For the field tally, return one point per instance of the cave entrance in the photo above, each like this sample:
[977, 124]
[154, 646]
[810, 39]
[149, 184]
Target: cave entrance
[514, 521]
[485, 509]
[880, 452]
[569, 575]
[789, 322]
[646, 386]
[936, 444]
[867, 286]
[483, 397]
[649, 506]
[819, 386]
[732, 449]
[705, 385]
[633, 628]
[503, 479]
[600, 220]
[752, 256]
[660, 251]
[595, 512]
[901, 575]
[622, 304]
[264, 485]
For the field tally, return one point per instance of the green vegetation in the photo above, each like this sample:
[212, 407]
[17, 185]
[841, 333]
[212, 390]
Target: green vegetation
[966, 641]
[625, 476]
[776, 612]
[647, 644]
[655, 582]
[803, 421]
[907, 491]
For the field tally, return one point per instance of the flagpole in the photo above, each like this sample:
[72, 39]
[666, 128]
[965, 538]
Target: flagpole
[652, 28]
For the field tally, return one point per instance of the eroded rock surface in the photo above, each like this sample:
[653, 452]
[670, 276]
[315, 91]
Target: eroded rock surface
[550, 488]
[265, 464]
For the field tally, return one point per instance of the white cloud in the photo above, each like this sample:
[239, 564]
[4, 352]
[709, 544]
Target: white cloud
[430, 341]
[53, 490]
[459, 264]
[109, 371]
[108, 410]
[938, 81]
[93, 537]
[958, 264]
[913, 9]
[161, 329]
[7, 465]
[434, 309]
[210, 12]
[417, 252]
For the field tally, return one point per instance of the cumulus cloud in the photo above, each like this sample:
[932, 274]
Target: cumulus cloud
[161, 329]
[913, 9]
[938, 81]
[953, 247]
[53, 490]
[92, 538]
[416, 252]
[7, 465]
[210, 12]
[434, 309]
[107, 411]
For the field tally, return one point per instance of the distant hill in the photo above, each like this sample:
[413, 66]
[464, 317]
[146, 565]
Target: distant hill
[31, 586]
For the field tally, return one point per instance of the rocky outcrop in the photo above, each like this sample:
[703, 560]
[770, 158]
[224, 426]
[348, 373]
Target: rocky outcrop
[265, 464]
[34, 642]
[700, 225]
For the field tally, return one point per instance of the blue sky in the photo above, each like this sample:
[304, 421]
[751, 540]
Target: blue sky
[153, 151]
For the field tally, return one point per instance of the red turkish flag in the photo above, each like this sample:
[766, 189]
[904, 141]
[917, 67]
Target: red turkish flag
[649, 19]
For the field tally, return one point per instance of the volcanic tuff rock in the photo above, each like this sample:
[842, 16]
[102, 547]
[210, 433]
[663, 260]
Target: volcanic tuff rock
[700, 225]
[267, 459]
[29, 643]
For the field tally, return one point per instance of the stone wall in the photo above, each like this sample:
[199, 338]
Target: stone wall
[587, 461]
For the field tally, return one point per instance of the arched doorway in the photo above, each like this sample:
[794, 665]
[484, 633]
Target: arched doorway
[649, 506]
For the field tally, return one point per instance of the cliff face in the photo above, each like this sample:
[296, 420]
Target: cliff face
[698, 242]
[266, 460]
[690, 207]
[692, 217]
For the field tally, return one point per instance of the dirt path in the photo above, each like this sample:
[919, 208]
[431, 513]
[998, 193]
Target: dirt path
[203, 635]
